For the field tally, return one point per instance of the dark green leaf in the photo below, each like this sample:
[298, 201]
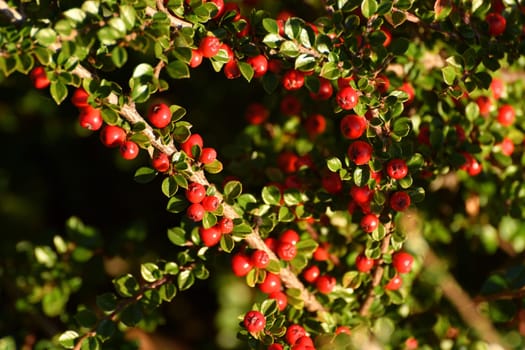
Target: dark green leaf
[58, 91]
[169, 186]
[107, 302]
[177, 204]
[126, 285]
[178, 70]
[144, 175]
[271, 195]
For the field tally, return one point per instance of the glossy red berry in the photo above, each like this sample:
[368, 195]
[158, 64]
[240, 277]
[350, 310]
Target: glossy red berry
[195, 140]
[362, 195]
[397, 168]
[293, 333]
[315, 125]
[256, 113]
[395, 283]
[160, 162]
[80, 98]
[220, 8]
[497, 23]
[159, 115]
[208, 155]
[195, 192]
[293, 80]
[241, 264]
[311, 273]
[399, 201]
[484, 104]
[275, 346]
[210, 203]
[347, 98]
[195, 212]
[364, 263]
[225, 225]
[196, 58]
[254, 321]
[471, 165]
[325, 90]
[231, 70]
[90, 118]
[402, 262]
[353, 126]
[332, 183]
[506, 115]
[360, 152]
[210, 236]
[209, 46]
[369, 223]
[129, 150]
[321, 253]
[290, 236]
[280, 298]
[112, 136]
[260, 259]
[286, 251]
[259, 64]
[325, 284]
[271, 283]
[39, 77]
[507, 146]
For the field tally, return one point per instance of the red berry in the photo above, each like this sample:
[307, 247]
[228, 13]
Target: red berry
[287, 162]
[290, 236]
[271, 283]
[232, 7]
[90, 118]
[195, 212]
[325, 91]
[225, 225]
[271, 243]
[399, 201]
[342, 329]
[259, 64]
[402, 262]
[209, 46]
[382, 83]
[196, 58]
[192, 141]
[256, 113]
[484, 105]
[369, 223]
[506, 115]
[220, 8]
[353, 126]
[210, 236]
[397, 169]
[311, 273]
[112, 136]
[293, 80]
[315, 125]
[290, 105]
[231, 70]
[507, 146]
[497, 87]
[362, 195]
[321, 252]
[471, 165]
[347, 98]
[275, 346]
[364, 263]
[360, 152]
[286, 251]
[159, 115]
[39, 77]
[79, 98]
[254, 321]
[395, 283]
[388, 36]
[497, 23]
[325, 284]
[241, 264]
[160, 162]
[129, 150]
[303, 343]
[293, 333]
[210, 203]
[195, 192]
[208, 155]
[281, 298]
[409, 89]
[332, 183]
[260, 259]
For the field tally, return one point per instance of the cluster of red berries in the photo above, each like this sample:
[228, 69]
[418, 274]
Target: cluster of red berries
[39, 78]
[194, 147]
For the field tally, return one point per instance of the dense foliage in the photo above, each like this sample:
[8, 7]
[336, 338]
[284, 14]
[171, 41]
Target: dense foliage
[268, 175]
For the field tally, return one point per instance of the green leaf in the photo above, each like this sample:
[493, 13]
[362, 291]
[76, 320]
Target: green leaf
[128, 15]
[46, 37]
[119, 56]
[232, 190]
[209, 220]
[107, 302]
[334, 164]
[330, 71]
[177, 236]
[449, 74]
[110, 116]
[305, 62]
[90, 343]
[150, 272]
[472, 111]
[54, 302]
[177, 204]
[271, 195]
[169, 186]
[285, 215]
[289, 48]
[126, 285]
[227, 243]
[177, 112]
[401, 127]
[144, 175]
[178, 70]
[292, 197]
[168, 291]
[131, 315]
[368, 8]
[75, 14]
[86, 318]
[214, 167]
[143, 70]
[270, 25]
[185, 279]
[106, 328]
[67, 339]
[58, 91]
[246, 70]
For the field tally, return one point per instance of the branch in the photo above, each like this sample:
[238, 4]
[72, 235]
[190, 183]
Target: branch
[11, 13]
